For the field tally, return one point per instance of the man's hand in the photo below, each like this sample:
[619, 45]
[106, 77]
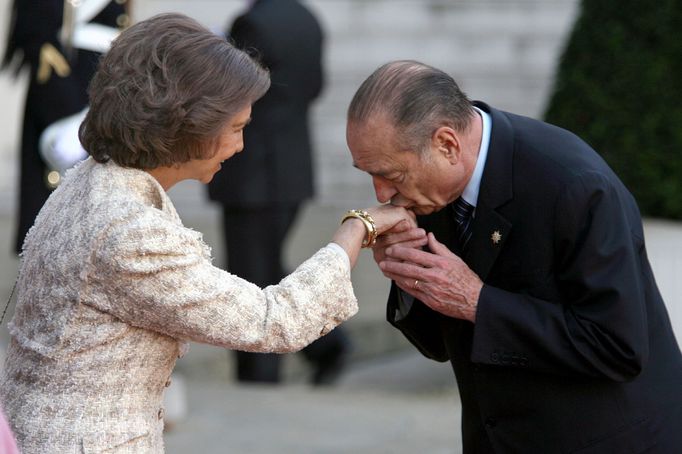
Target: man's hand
[439, 278]
[402, 234]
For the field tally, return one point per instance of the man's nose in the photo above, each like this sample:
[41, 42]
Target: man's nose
[383, 189]
[238, 149]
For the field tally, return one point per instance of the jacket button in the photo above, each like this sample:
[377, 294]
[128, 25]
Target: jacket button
[490, 423]
[160, 415]
[123, 20]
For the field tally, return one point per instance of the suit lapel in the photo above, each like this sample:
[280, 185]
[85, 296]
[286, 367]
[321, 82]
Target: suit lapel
[489, 229]
[489, 232]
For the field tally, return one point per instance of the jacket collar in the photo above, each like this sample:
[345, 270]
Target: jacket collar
[496, 183]
[490, 229]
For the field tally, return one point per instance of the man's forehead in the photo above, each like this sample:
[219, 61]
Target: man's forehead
[373, 145]
[375, 163]
[367, 137]
[375, 121]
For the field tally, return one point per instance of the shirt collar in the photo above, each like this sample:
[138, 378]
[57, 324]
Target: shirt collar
[472, 188]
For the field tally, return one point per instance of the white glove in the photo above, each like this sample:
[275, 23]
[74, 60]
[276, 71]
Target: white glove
[59, 144]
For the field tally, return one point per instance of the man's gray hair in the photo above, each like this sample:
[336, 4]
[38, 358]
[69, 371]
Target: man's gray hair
[416, 98]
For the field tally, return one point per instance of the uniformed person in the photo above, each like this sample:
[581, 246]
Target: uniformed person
[60, 42]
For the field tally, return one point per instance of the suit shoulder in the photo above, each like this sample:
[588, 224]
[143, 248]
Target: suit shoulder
[554, 150]
[276, 16]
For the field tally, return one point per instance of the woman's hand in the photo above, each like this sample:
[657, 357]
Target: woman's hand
[389, 217]
[404, 232]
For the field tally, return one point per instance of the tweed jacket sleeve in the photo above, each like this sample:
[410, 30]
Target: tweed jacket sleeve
[152, 273]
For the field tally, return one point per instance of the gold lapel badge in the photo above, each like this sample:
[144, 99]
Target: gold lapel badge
[496, 237]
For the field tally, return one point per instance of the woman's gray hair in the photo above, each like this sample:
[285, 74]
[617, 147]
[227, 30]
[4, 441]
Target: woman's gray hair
[416, 98]
[164, 91]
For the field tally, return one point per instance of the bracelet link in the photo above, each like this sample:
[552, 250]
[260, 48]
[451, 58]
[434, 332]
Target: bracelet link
[372, 233]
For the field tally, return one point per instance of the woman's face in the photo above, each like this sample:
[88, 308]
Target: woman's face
[231, 142]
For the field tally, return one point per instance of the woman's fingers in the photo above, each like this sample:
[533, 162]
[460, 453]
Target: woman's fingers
[389, 217]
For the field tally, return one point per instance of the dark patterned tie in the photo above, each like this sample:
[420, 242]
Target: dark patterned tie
[462, 211]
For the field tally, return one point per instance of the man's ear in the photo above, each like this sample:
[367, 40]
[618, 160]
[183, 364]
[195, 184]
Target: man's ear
[448, 144]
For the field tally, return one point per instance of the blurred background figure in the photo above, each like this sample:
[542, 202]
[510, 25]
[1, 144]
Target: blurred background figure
[59, 41]
[262, 189]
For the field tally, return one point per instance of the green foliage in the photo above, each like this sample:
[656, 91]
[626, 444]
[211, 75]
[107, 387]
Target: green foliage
[619, 87]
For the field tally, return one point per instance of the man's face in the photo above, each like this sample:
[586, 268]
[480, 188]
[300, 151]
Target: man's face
[423, 182]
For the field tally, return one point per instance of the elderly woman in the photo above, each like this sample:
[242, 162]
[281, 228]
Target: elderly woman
[112, 285]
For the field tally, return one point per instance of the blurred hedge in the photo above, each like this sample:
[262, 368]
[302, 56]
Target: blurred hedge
[619, 87]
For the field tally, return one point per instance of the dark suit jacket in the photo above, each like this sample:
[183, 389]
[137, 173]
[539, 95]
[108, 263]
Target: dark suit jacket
[276, 164]
[572, 349]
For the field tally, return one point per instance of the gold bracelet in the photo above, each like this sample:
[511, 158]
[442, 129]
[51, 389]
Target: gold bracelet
[370, 225]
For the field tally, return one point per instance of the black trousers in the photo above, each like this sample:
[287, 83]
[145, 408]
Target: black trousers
[254, 239]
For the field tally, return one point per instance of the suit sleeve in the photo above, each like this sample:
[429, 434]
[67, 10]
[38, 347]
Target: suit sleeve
[160, 278]
[598, 327]
[418, 323]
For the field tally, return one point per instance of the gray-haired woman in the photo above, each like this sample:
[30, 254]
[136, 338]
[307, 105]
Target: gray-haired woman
[112, 284]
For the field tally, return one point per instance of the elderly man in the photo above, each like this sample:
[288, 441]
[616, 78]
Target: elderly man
[533, 280]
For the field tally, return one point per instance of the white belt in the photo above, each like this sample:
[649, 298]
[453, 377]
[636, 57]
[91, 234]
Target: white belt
[85, 35]
[94, 37]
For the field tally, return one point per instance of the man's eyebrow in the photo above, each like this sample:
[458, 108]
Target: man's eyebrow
[377, 172]
[243, 123]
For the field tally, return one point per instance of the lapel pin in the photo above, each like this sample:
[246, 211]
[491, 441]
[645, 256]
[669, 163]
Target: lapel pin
[496, 237]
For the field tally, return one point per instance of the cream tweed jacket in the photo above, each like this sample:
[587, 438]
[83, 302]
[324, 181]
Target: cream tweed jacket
[111, 288]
